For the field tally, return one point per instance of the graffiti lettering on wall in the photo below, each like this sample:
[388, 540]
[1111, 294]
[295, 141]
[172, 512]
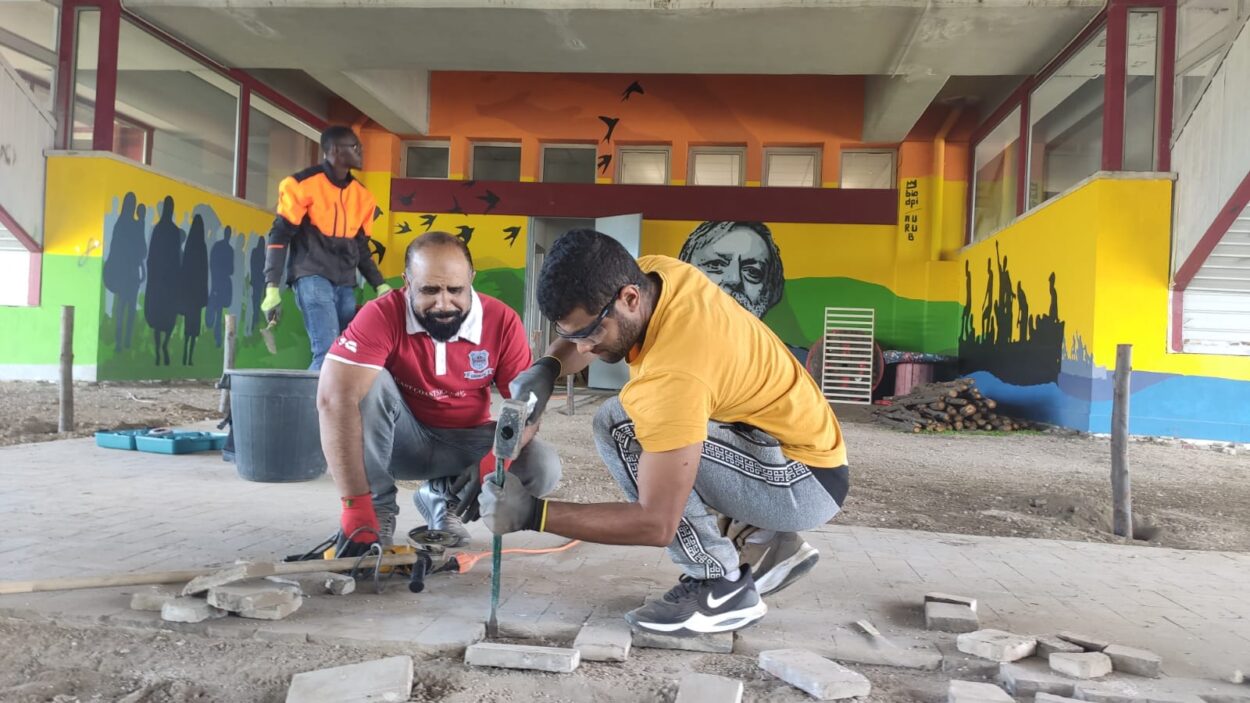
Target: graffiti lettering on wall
[1013, 344]
[184, 270]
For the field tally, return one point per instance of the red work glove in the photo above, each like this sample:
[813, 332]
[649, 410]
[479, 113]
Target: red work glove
[357, 514]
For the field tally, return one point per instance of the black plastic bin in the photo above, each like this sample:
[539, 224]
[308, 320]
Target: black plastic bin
[274, 420]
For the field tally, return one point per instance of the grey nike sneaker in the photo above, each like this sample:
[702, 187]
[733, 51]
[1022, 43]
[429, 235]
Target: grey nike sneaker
[779, 562]
[438, 508]
[695, 607]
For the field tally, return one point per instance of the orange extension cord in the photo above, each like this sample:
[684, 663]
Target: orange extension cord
[466, 560]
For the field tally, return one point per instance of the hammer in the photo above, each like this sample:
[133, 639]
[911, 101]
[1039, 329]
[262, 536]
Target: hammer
[508, 432]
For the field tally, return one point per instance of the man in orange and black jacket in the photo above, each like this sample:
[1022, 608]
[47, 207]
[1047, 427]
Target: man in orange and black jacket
[325, 217]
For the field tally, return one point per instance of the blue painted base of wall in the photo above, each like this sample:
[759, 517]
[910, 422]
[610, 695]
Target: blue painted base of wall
[1162, 405]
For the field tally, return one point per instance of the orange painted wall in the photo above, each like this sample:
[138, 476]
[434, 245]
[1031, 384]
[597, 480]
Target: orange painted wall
[677, 110]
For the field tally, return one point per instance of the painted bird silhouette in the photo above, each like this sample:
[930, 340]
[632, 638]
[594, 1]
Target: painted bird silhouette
[379, 250]
[465, 233]
[377, 212]
[604, 161]
[455, 206]
[634, 87]
[513, 233]
[428, 221]
[611, 123]
[404, 228]
[468, 184]
[490, 199]
[407, 199]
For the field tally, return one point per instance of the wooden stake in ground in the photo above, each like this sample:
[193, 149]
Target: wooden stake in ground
[1121, 486]
[66, 421]
[570, 405]
[231, 323]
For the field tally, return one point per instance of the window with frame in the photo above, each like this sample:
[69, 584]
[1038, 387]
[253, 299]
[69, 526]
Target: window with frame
[1204, 30]
[716, 166]
[642, 165]
[427, 160]
[792, 168]
[278, 145]
[995, 173]
[496, 162]
[868, 168]
[32, 28]
[569, 163]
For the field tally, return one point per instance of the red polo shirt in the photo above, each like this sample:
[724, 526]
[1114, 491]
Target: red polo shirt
[446, 384]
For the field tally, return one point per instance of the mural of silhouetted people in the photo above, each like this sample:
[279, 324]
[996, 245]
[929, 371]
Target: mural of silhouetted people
[193, 288]
[221, 293]
[160, 296]
[125, 268]
[257, 283]
[1025, 326]
[742, 259]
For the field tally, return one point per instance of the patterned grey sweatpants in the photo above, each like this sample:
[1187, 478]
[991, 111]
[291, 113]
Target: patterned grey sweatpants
[743, 475]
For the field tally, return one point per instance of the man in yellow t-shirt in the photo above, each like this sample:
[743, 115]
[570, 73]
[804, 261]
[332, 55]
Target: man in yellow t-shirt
[719, 433]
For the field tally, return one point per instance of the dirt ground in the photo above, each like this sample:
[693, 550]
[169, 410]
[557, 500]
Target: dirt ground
[1050, 485]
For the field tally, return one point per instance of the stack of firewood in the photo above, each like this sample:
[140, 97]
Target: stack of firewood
[942, 407]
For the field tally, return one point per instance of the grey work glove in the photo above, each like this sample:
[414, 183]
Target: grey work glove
[539, 379]
[510, 507]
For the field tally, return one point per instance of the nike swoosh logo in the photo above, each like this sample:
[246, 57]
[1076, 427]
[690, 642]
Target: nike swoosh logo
[763, 556]
[713, 602]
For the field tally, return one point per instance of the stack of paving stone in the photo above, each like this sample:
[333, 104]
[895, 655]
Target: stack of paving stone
[247, 590]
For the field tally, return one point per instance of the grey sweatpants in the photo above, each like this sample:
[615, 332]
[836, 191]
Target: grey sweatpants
[397, 446]
[742, 475]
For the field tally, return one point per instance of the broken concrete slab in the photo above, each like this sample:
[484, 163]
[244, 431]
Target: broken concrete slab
[996, 645]
[1086, 642]
[973, 692]
[1031, 677]
[1126, 692]
[517, 656]
[272, 612]
[184, 609]
[819, 677]
[238, 572]
[948, 598]
[319, 582]
[256, 595]
[950, 617]
[448, 636]
[718, 643]
[153, 597]
[1083, 665]
[851, 645]
[1050, 644]
[1139, 662]
[388, 679]
[960, 665]
[707, 688]
[604, 641]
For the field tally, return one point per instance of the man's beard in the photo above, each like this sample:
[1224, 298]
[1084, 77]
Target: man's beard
[629, 334]
[756, 308]
[442, 326]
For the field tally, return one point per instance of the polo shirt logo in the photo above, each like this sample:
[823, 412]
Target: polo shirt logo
[479, 362]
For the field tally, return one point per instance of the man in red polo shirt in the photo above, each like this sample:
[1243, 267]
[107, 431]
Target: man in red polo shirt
[409, 381]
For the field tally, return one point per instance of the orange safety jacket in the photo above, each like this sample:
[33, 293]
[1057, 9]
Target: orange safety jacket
[326, 224]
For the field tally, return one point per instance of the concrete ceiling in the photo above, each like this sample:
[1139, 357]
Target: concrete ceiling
[346, 41]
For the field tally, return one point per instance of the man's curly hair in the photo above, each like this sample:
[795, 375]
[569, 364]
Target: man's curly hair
[584, 269]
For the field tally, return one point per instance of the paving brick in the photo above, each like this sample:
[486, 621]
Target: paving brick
[948, 598]
[1121, 692]
[238, 572]
[153, 597]
[319, 582]
[950, 617]
[719, 643]
[516, 656]
[1135, 661]
[606, 641]
[273, 612]
[706, 688]
[1031, 677]
[809, 672]
[237, 597]
[449, 636]
[1083, 665]
[1049, 644]
[973, 692]
[1086, 642]
[387, 679]
[857, 647]
[184, 609]
[996, 645]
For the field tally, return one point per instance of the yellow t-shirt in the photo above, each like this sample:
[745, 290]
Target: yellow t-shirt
[706, 358]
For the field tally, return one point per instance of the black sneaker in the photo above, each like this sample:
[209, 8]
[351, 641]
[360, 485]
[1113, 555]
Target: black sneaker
[695, 607]
[779, 562]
